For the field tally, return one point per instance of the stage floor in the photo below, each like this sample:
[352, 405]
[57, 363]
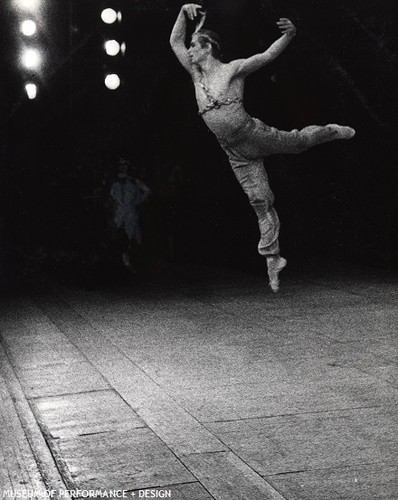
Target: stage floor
[203, 384]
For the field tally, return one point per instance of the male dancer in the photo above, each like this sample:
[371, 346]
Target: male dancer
[246, 140]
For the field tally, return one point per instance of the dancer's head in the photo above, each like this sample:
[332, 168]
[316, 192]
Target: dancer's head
[207, 42]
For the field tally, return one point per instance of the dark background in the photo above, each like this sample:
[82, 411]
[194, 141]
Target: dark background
[337, 202]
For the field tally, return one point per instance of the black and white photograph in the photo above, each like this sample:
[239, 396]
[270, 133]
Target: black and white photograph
[199, 249]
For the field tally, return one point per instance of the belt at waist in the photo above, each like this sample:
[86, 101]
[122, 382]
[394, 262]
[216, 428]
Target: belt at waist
[216, 104]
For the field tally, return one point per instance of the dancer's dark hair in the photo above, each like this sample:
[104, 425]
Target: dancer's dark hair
[208, 36]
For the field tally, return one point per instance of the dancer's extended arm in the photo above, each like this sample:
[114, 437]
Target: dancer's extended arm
[178, 34]
[246, 66]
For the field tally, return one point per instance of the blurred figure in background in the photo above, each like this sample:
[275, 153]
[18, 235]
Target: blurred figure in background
[128, 193]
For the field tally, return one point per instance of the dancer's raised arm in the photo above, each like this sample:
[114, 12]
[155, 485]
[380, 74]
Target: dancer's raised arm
[178, 34]
[253, 63]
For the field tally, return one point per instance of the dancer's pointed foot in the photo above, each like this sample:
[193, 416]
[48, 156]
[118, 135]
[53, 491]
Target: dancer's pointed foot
[275, 264]
[342, 132]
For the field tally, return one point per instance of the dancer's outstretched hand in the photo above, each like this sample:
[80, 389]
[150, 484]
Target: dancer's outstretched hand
[192, 10]
[286, 26]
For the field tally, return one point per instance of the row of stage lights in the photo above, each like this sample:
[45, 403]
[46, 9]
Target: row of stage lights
[112, 47]
[32, 57]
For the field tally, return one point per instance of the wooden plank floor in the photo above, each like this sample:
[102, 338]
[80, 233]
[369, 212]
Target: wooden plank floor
[203, 384]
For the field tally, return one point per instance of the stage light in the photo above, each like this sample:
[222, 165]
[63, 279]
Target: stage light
[28, 4]
[109, 16]
[31, 90]
[28, 27]
[31, 58]
[112, 81]
[112, 47]
[123, 48]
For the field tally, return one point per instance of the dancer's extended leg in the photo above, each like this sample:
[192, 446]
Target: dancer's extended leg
[269, 140]
[258, 139]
